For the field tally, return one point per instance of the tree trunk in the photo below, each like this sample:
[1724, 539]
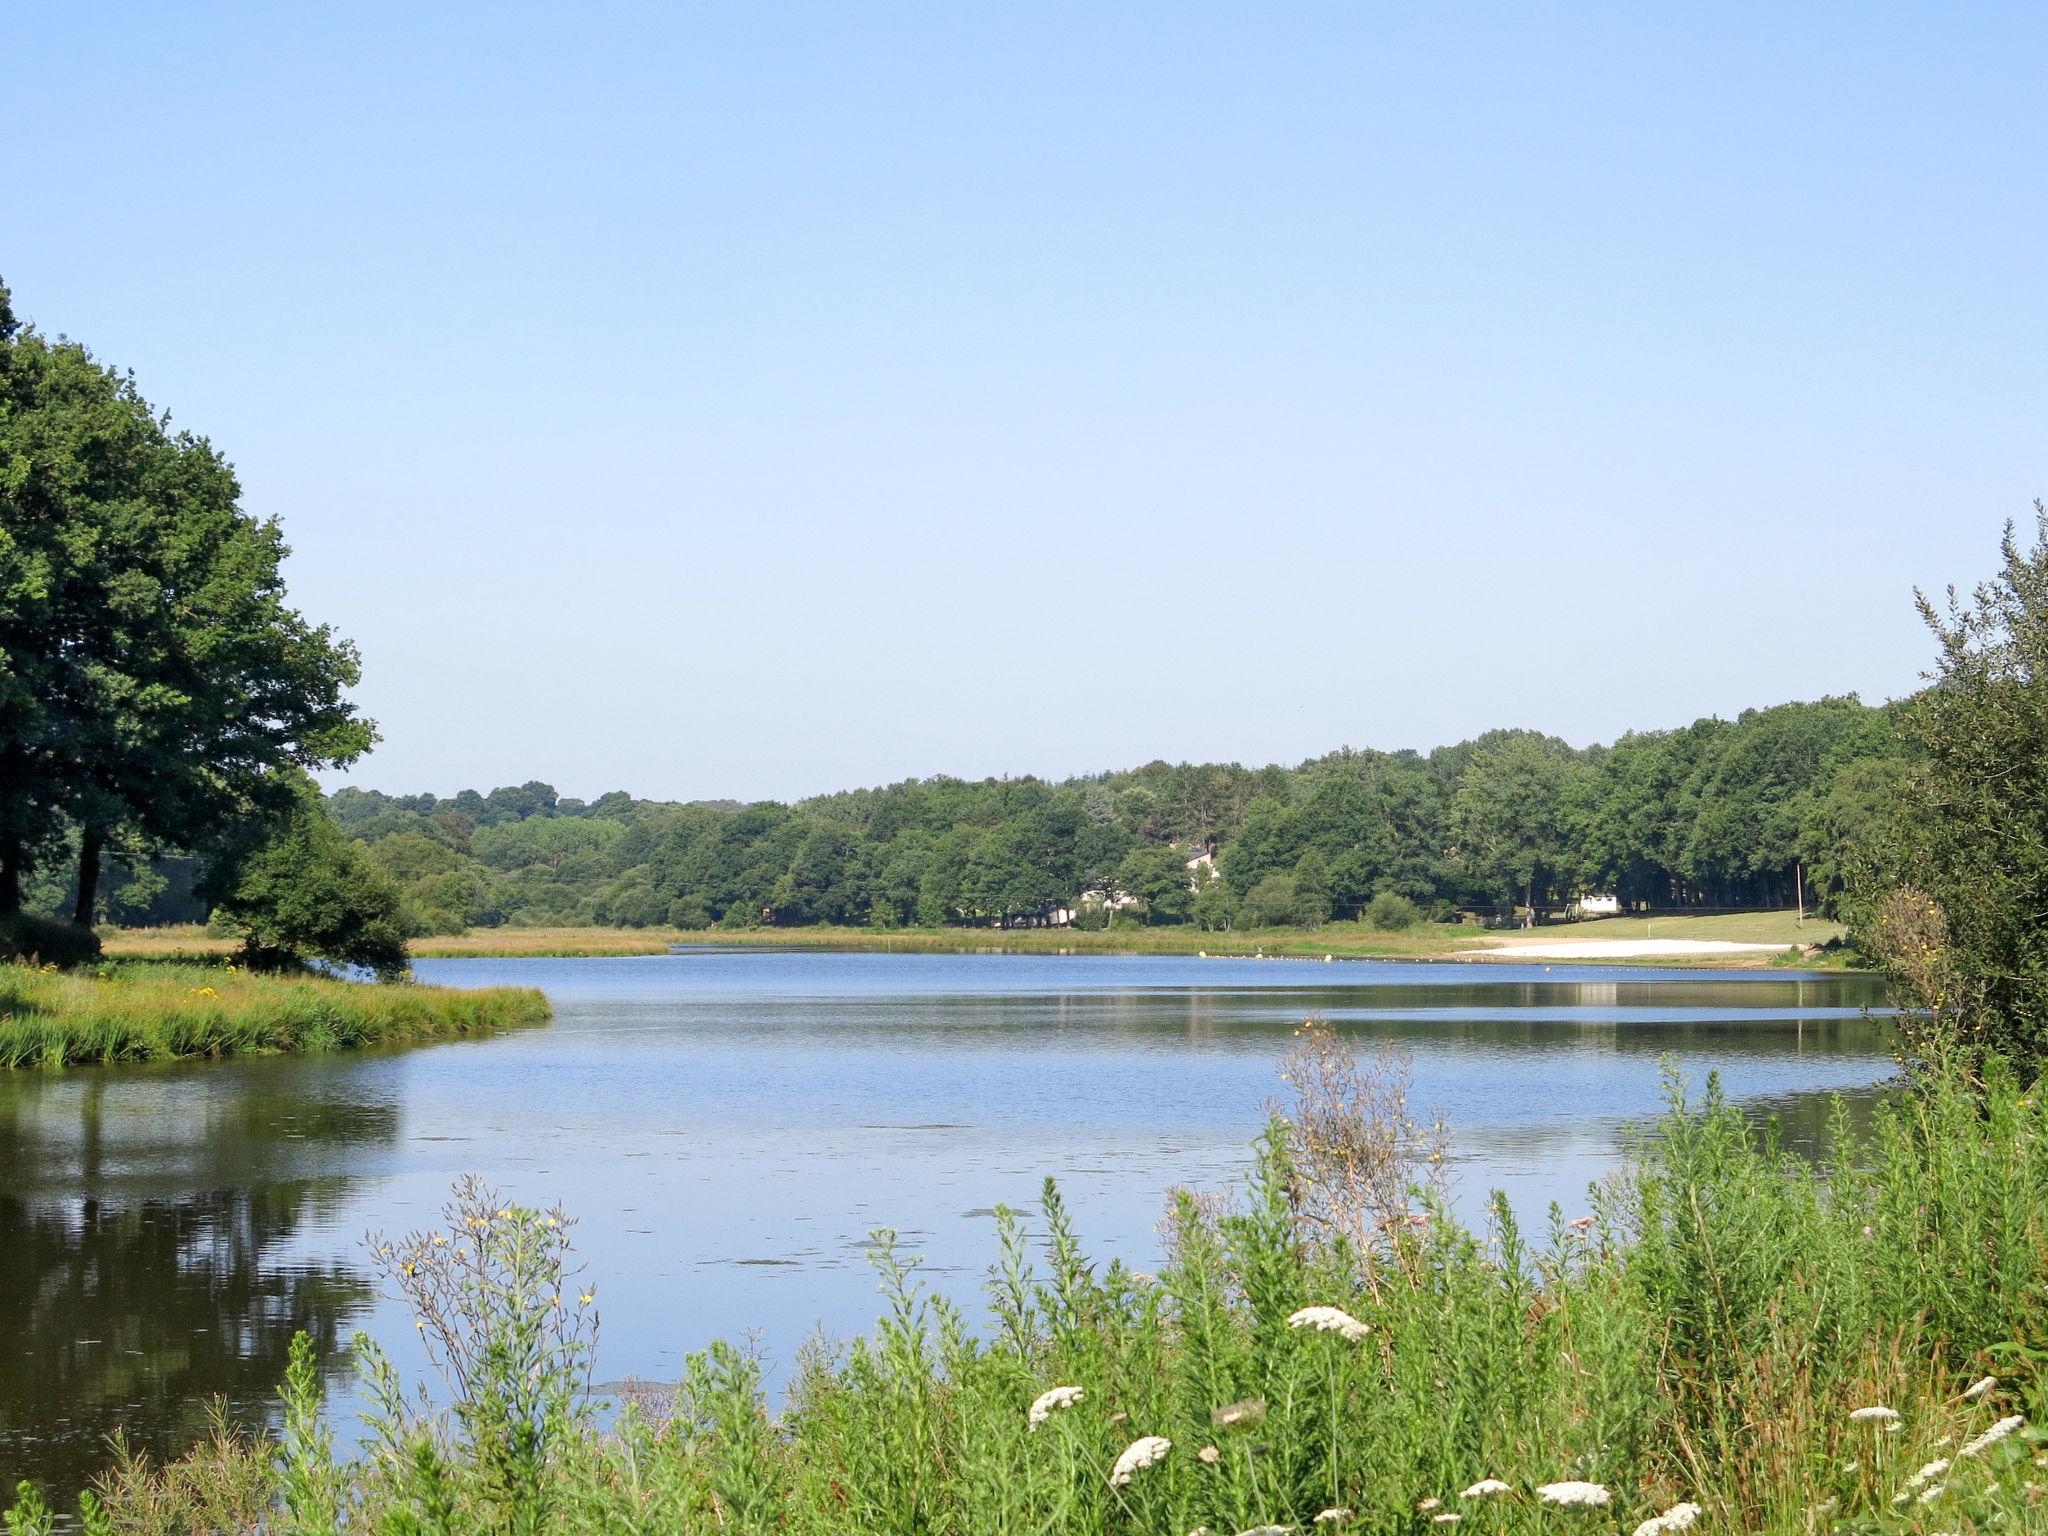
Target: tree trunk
[10, 879]
[91, 840]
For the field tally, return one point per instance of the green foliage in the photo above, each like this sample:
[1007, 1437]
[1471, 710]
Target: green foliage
[1951, 892]
[307, 892]
[1506, 818]
[155, 688]
[1331, 1342]
[1157, 876]
[1269, 904]
[1391, 912]
[1533, 821]
[154, 1012]
[1216, 908]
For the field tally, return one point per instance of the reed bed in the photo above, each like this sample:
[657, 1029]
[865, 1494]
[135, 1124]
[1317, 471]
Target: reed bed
[139, 1012]
[1724, 1339]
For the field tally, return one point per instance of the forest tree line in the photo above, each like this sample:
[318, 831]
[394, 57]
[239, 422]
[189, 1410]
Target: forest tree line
[1718, 814]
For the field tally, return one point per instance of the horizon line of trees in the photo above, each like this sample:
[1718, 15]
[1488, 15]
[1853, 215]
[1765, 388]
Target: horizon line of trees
[1719, 814]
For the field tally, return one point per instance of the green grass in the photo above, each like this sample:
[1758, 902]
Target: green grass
[161, 1012]
[1701, 1334]
[1346, 940]
[1784, 928]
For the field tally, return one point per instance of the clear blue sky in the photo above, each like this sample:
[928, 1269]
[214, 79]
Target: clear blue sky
[755, 400]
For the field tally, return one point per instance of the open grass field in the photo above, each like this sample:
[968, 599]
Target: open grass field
[160, 1012]
[1783, 928]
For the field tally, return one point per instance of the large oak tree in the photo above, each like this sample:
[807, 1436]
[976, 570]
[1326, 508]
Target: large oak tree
[156, 689]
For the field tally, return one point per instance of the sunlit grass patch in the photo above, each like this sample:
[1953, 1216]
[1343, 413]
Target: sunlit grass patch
[159, 1012]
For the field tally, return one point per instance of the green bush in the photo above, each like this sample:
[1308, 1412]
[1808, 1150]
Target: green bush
[1391, 912]
[690, 912]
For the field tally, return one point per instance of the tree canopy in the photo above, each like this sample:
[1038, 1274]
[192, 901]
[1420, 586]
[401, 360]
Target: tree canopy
[157, 692]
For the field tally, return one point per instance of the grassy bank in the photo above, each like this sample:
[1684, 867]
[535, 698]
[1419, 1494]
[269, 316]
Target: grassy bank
[150, 1012]
[1784, 928]
[1723, 1337]
[1346, 940]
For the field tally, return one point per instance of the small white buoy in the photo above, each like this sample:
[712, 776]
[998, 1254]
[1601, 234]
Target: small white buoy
[1201, 954]
[1326, 959]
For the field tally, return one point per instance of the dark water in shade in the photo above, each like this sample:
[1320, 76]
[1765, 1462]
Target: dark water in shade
[729, 1125]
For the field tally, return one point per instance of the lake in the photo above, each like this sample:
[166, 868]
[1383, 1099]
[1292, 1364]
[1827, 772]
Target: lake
[729, 1126]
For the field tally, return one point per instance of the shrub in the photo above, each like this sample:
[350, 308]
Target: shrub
[1391, 912]
[1270, 903]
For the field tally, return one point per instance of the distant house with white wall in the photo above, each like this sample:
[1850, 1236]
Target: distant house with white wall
[1601, 905]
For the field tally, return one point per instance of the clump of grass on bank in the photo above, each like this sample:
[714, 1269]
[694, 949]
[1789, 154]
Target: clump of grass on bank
[1726, 1338]
[138, 1012]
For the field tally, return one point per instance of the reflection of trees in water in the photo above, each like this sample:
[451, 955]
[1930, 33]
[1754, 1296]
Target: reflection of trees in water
[136, 1316]
[142, 1283]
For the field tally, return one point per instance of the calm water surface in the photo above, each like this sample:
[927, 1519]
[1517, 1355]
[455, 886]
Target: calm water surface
[730, 1125]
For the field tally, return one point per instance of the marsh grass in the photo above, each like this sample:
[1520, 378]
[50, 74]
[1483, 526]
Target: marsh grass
[1701, 1334]
[1343, 940]
[153, 1012]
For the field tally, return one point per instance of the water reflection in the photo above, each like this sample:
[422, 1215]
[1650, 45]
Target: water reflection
[150, 1235]
[730, 1126]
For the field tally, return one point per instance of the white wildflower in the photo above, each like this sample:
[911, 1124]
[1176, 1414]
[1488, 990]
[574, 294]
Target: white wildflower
[1934, 1493]
[1138, 1455]
[1267, 1530]
[1428, 1504]
[1328, 1320]
[1927, 1474]
[1992, 1436]
[1046, 1404]
[1979, 1388]
[1246, 1411]
[1333, 1517]
[1208, 1455]
[1575, 1493]
[1877, 1413]
[1854, 1466]
[1445, 1519]
[1901, 1500]
[1676, 1518]
[1486, 1488]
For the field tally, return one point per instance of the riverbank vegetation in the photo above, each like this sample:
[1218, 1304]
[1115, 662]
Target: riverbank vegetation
[1814, 940]
[144, 1012]
[1721, 1335]
[1751, 812]
[160, 702]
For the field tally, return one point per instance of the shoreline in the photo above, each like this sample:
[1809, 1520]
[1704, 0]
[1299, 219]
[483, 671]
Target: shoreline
[153, 1012]
[1737, 941]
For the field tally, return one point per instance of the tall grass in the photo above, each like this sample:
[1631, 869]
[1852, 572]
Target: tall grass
[138, 1012]
[1704, 1334]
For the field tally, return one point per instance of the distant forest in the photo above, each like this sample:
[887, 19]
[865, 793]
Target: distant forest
[1719, 814]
